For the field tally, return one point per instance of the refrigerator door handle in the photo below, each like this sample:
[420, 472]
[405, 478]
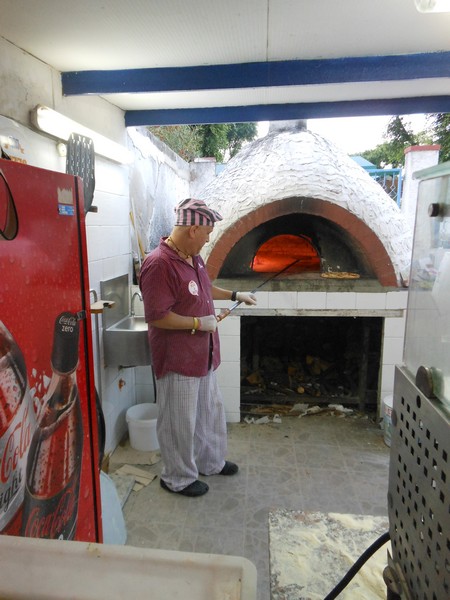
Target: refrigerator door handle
[9, 229]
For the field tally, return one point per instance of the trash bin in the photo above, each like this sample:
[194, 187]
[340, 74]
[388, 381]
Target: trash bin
[141, 420]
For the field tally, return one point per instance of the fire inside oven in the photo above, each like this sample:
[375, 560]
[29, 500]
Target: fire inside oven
[314, 360]
[283, 250]
[319, 244]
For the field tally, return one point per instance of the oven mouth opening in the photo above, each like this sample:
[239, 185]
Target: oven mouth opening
[309, 360]
[281, 251]
[320, 245]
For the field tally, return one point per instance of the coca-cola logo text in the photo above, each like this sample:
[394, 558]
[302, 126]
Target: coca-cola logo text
[43, 524]
[9, 493]
[68, 323]
[15, 447]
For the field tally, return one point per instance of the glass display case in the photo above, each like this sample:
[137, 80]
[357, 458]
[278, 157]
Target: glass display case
[427, 339]
[418, 496]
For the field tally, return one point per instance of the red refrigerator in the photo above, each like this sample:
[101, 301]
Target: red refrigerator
[49, 436]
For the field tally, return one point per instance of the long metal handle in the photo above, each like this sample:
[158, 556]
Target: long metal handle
[226, 311]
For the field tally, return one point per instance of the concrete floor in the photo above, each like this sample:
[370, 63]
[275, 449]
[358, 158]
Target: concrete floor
[314, 463]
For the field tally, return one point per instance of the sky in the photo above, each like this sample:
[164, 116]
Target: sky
[354, 134]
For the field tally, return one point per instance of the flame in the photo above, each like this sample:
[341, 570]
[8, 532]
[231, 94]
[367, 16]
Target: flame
[282, 250]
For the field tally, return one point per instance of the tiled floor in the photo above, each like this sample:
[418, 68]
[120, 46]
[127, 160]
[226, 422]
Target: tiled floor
[315, 463]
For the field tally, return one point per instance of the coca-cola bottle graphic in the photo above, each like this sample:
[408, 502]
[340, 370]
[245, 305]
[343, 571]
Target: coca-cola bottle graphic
[17, 423]
[54, 461]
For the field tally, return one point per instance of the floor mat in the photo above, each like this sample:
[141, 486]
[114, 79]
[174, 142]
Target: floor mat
[310, 552]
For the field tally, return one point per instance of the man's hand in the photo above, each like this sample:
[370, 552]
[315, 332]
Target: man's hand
[246, 297]
[208, 323]
[223, 313]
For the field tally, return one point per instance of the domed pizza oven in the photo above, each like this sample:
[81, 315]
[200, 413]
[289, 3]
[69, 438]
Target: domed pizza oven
[294, 204]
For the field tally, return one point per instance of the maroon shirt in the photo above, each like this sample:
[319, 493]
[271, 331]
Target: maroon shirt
[170, 284]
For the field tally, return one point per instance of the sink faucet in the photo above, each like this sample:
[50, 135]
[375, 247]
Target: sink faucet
[133, 298]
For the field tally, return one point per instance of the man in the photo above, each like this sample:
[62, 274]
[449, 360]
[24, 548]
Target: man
[178, 301]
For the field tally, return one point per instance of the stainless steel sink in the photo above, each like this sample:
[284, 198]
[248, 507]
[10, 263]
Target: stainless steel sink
[126, 343]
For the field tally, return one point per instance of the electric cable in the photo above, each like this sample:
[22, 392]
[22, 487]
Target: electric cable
[357, 565]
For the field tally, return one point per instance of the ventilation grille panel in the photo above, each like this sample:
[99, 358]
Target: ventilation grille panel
[419, 497]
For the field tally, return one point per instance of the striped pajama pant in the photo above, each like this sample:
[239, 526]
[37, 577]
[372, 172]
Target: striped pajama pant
[191, 428]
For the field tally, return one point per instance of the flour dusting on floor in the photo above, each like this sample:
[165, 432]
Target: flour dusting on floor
[310, 552]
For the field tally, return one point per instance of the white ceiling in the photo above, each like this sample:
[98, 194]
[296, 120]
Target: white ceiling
[86, 35]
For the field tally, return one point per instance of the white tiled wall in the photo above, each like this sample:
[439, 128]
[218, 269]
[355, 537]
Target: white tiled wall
[340, 300]
[393, 342]
[370, 301]
[119, 396]
[311, 300]
[109, 255]
[396, 299]
[392, 345]
[109, 238]
[229, 372]
[144, 384]
[283, 300]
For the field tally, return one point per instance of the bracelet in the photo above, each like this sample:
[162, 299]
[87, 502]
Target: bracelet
[195, 325]
[233, 296]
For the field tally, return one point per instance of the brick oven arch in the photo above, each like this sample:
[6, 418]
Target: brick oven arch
[297, 172]
[361, 235]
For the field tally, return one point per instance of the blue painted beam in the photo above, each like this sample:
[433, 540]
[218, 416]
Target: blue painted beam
[277, 112]
[258, 74]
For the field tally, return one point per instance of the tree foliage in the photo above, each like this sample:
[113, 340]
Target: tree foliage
[379, 156]
[221, 141]
[399, 136]
[237, 134]
[214, 140]
[184, 140]
[440, 126]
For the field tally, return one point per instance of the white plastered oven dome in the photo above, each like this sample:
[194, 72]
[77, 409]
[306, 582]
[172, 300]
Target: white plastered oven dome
[296, 164]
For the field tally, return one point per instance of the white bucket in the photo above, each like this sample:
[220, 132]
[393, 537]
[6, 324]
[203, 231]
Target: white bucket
[388, 403]
[141, 420]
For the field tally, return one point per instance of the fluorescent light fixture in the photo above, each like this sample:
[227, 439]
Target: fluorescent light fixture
[59, 126]
[428, 6]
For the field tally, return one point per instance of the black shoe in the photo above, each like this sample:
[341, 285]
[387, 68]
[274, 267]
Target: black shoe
[229, 468]
[196, 488]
